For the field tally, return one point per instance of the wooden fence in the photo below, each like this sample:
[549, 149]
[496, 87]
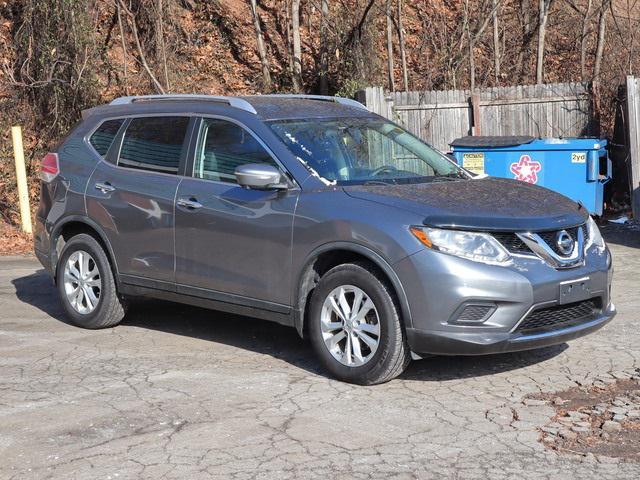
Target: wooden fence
[439, 117]
[632, 140]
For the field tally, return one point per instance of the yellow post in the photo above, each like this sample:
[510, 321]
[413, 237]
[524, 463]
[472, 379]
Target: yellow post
[21, 179]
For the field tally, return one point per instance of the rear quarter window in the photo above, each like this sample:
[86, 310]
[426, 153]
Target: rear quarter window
[103, 137]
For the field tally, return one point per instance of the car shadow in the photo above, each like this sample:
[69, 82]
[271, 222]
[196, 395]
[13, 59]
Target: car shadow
[38, 290]
[441, 368]
[268, 338]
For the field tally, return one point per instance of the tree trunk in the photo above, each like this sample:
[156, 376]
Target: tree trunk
[297, 46]
[161, 52]
[472, 62]
[324, 53]
[124, 51]
[496, 43]
[526, 32]
[583, 40]
[262, 51]
[403, 51]
[392, 85]
[602, 24]
[542, 30]
[136, 38]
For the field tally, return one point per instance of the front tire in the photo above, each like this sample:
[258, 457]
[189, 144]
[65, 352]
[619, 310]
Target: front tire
[355, 327]
[86, 285]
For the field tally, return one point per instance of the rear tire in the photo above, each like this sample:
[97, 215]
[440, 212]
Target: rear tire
[381, 353]
[86, 285]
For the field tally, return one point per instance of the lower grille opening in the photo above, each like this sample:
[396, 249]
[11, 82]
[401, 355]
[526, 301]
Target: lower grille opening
[560, 316]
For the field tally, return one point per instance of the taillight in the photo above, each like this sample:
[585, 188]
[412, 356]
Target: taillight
[50, 167]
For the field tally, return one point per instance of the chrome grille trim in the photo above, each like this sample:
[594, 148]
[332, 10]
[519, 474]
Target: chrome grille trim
[542, 249]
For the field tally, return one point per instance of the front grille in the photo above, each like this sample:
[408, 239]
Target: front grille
[514, 245]
[560, 316]
[550, 238]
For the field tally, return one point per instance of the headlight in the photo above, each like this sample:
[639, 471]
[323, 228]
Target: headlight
[480, 247]
[593, 233]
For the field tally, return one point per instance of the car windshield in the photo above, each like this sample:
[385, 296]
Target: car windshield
[349, 151]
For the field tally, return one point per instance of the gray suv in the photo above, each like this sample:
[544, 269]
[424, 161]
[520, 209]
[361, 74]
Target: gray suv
[315, 213]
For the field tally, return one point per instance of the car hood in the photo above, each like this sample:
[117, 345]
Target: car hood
[488, 204]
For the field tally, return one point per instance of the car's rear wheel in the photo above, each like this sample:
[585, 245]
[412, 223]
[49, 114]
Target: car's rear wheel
[86, 285]
[355, 327]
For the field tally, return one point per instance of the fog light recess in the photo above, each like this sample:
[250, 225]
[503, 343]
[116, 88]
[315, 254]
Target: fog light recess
[472, 313]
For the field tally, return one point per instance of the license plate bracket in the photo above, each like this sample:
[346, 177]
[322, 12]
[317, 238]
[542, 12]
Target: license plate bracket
[575, 290]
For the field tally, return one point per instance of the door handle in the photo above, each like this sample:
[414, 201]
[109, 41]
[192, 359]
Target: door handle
[189, 203]
[105, 187]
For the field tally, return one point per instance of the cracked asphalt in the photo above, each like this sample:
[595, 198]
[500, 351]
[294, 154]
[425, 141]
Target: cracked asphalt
[179, 392]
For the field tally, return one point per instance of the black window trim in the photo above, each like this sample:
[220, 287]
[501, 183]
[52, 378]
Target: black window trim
[87, 138]
[114, 151]
[195, 140]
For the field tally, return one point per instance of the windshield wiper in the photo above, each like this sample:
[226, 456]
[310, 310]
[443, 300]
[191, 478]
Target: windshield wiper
[377, 182]
[449, 177]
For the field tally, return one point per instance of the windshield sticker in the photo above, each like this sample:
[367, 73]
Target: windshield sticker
[526, 170]
[328, 183]
[474, 162]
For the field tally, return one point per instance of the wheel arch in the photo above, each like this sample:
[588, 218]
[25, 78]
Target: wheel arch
[74, 225]
[330, 255]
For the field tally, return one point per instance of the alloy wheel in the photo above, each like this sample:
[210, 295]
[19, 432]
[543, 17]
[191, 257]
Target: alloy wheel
[350, 325]
[82, 282]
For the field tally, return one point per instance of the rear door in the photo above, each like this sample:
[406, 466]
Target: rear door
[131, 196]
[232, 244]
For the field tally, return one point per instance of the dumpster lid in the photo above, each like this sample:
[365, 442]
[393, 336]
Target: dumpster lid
[492, 141]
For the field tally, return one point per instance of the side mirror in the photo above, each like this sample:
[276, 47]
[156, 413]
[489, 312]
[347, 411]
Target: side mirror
[260, 176]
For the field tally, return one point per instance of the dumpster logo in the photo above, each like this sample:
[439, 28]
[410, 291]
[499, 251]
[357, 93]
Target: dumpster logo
[526, 170]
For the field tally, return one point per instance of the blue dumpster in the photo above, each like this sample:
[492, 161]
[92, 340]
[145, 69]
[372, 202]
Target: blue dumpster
[575, 167]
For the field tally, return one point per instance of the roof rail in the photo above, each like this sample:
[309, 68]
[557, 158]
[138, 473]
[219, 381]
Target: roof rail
[234, 102]
[324, 98]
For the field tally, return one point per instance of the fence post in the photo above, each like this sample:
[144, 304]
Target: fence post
[375, 100]
[475, 114]
[21, 179]
[633, 124]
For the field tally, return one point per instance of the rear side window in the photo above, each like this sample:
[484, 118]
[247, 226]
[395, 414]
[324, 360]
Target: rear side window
[154, 143]
[103, 137]
[223, 146]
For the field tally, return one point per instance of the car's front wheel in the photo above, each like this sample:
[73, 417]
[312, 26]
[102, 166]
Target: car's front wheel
[86, 285]
[354, 326]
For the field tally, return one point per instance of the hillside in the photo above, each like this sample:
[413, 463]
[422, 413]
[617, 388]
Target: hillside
[60, 56]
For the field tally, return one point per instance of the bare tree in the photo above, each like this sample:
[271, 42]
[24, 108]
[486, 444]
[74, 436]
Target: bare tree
[473, 34]
[496, 43]
[297, 45]
[392, 85]
[602, 24]
[324, 50]
[161, 52]
[124, 50]
[262, 51]
[583, 39]
[403, 50]
[471, 41]
[525, 14]
[543, 17]
[143, 59]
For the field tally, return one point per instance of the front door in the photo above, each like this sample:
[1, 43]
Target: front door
[132, 198]
[232, 244]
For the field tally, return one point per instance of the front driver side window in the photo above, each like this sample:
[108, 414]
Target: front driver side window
[223, 146]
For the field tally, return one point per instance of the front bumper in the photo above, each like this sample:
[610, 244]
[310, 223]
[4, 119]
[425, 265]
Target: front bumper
[440, 286]
[482, 343]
